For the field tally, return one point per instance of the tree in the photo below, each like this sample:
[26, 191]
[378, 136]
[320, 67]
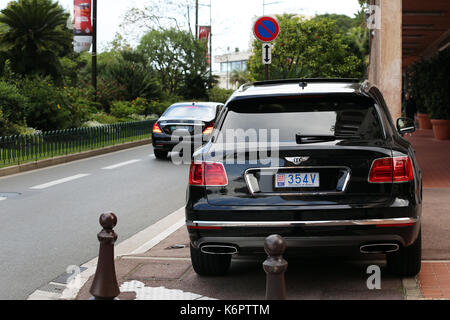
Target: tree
[343, 23]
[239, 77]
[34, 35]
[131, 71]
[179, 61]
[160, 15]
[308, 48]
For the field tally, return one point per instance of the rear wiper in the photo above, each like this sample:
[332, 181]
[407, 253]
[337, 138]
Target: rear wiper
[303, 139]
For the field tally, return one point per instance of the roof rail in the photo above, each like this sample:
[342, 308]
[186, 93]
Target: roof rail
[307, 80]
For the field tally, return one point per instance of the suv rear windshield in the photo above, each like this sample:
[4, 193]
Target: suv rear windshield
[197, 112]
[340, 117]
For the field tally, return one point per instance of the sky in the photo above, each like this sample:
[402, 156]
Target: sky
[232, 20]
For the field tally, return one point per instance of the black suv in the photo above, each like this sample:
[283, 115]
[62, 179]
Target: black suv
[319, 162]
[190, 123]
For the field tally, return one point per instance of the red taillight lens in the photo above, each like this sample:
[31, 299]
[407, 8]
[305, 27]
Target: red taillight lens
[403, 170]
[197, 175]
[209, 129]
[382, 171]
[156, 128]
[207, 174]
[391, 170]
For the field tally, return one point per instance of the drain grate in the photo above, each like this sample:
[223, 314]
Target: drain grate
[176, 247]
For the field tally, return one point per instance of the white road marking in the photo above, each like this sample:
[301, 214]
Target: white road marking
[3, 198]
[60, 181]
[159, 293]
[122, 164]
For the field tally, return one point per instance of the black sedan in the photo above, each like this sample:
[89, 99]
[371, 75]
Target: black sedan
[319, 162]
[186, 125]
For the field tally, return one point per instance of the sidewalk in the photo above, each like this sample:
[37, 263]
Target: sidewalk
[434, 159]
[165, 272]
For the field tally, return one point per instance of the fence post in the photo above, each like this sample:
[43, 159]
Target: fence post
[275, 267]
[104, 286]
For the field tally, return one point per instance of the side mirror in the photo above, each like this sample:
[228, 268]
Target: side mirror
[405, 125]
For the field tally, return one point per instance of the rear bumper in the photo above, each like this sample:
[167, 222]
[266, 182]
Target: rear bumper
[337, 236]
[336, 246]
[166, 142]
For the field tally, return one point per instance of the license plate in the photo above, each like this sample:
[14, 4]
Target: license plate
[297, 180]
[180, 128]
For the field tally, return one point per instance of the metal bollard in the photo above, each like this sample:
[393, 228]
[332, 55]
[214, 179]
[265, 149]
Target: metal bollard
[275, 267]
[104, 286]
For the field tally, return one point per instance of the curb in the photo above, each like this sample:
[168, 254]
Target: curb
[66, 286]
[411, 288]
[69, 158]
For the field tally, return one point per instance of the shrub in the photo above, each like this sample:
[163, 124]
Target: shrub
[8, 128]
[109, 90]
[103, 118]
[439, 101]
[81, 105]
[428, 82]
[219, 95]
[47, 109]
[12, 102]
[126, 109]
[157, 107]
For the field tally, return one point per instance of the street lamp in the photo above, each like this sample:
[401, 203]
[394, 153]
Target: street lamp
[94, 48]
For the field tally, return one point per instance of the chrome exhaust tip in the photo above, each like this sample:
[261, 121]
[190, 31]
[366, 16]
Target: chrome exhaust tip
[218, 249]
[378, 248]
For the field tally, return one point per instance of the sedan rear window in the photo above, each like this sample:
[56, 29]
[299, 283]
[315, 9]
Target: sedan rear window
[340, 117]
[197, 112]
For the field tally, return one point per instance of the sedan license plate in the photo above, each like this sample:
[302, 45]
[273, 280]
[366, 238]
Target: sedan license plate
[297, 180]
[180, 128]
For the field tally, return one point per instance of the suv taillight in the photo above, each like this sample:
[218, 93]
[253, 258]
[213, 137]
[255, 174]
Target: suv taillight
[207, 174]
[388, 170]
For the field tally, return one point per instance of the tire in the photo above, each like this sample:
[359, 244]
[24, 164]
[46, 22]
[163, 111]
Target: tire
[408, 260]
[209, 264]
[162, 155]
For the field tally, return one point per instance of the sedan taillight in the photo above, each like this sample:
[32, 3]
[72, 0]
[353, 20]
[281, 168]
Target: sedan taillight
[388, 170]
[210, 174]
[209, 129]
[156, 128]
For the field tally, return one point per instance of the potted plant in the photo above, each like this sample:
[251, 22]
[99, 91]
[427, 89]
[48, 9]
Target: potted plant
[440, 116]
[439, 97]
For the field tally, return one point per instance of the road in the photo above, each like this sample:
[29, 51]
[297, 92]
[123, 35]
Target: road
[53, 221]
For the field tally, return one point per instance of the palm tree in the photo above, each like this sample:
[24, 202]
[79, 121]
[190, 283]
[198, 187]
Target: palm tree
[239, 77]
[33, 35]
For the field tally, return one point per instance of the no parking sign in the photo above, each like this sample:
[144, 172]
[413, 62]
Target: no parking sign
[266, 29]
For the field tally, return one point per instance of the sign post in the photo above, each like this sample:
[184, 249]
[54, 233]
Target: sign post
[266, 30]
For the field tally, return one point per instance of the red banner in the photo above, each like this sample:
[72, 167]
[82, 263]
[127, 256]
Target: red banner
[82, 25]
[205, 34]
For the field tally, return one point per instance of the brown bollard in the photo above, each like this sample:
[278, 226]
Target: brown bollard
[275, 267]
[105, 285]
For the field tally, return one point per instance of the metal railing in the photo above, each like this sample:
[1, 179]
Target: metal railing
[27, 148]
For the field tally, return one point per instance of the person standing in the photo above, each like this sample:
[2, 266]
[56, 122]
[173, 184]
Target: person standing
[410, 107]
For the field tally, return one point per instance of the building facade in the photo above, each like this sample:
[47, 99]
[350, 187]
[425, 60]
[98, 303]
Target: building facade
[235, 61]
